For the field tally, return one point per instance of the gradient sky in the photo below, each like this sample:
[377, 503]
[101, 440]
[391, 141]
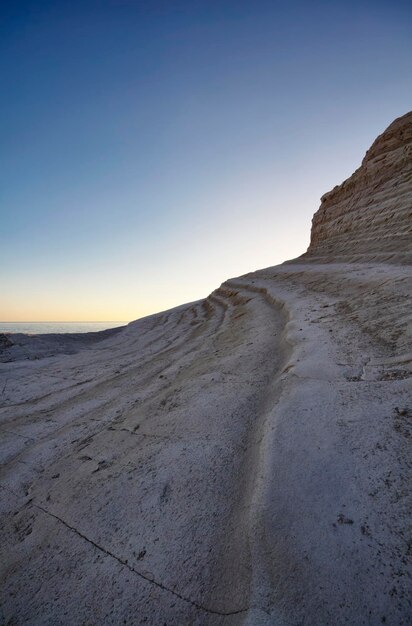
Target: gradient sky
[151, 150]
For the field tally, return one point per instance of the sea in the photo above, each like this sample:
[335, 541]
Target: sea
[42, 328]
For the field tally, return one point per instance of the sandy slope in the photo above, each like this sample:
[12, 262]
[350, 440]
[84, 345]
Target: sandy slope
[238, 460]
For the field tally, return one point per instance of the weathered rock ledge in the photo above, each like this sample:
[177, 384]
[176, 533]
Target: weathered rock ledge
[369, 216]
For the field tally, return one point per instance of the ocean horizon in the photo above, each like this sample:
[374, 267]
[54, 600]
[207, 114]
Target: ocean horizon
[43, 328]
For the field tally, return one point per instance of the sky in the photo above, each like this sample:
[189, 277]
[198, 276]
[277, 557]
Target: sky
[151, 150]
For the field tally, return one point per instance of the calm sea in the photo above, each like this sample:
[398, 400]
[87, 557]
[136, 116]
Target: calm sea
[41, 328]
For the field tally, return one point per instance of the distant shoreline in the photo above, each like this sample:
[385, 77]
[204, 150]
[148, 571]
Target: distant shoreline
[41, 328]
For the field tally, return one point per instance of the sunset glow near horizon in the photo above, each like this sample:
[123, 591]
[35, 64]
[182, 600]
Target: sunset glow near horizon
[152, 150]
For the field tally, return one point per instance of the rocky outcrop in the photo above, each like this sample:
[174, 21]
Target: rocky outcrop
[369, 216]
[242, 460]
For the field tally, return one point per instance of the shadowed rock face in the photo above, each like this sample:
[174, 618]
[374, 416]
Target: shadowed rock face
[369, 216]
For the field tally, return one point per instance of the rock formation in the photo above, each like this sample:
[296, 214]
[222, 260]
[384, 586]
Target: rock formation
[369, 216]
[243, 460]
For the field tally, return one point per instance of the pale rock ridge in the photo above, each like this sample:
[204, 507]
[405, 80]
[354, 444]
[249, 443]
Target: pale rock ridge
[369, 216]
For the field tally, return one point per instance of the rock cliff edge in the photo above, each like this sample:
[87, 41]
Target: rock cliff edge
[369, 216]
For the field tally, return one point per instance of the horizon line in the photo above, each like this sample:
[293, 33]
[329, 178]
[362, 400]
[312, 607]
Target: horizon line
[65, 322]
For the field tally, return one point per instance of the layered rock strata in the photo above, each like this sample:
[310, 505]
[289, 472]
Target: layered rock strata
[369, 216]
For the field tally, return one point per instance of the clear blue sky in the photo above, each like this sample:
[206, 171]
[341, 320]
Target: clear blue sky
[150, 150]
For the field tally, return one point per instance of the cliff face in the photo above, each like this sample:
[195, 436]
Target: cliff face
[369, 216]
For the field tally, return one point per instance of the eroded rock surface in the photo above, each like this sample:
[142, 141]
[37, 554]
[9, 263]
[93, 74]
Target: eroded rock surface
[243, 460]
[369, 216]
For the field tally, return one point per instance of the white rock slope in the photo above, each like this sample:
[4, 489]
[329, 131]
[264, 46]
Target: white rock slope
[242, 460]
